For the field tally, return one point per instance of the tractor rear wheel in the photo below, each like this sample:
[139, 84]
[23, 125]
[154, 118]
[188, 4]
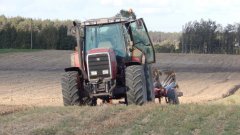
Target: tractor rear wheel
[136, 85]
[72, 90]
[172, 96]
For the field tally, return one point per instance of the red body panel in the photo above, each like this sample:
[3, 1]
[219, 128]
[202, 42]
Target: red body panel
[76, 59]
[136, 59]
[137, 56]
[112, 58]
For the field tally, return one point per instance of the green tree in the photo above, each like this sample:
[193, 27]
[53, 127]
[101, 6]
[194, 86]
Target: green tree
[50, 36]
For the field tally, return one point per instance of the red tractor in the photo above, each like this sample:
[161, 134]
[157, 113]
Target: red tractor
[112, 60]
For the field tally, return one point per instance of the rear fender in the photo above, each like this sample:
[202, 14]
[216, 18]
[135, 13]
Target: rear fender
[73, 69]
[133, 63]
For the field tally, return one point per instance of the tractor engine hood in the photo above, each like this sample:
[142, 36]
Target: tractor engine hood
[101, 64]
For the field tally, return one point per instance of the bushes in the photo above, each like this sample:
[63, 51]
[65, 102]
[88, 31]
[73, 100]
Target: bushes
[166, 47]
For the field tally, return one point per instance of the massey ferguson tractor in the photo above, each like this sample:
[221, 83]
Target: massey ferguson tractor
[113, 60]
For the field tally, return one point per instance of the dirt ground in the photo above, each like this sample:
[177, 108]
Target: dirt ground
[33, 78]
[203, 77]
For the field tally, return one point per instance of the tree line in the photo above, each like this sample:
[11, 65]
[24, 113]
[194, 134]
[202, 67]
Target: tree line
[20, 33]
[206, 36]
[17, 33]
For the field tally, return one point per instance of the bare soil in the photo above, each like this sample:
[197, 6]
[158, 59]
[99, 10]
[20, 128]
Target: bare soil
[203, 77]
[33, 78]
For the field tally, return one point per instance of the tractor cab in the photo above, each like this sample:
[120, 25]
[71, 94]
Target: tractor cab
[128, 38]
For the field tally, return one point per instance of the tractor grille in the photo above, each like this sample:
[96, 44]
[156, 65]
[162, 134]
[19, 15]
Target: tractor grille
[98, 66]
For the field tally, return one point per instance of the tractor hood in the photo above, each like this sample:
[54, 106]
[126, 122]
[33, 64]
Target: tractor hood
[101, 64]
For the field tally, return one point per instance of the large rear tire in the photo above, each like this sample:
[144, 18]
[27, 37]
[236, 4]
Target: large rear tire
[136, 85]
[73, 91]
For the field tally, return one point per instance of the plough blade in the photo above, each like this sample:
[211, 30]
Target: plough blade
[166, 87]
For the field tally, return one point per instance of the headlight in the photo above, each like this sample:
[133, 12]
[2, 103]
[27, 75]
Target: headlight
[104, 72]
[93, 72]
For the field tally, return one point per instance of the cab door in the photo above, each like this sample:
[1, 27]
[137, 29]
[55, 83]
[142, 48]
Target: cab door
[141, 40]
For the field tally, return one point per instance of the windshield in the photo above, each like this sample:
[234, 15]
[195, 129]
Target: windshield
[105, 36]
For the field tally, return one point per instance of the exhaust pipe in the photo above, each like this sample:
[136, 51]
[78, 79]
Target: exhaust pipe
[79, 46]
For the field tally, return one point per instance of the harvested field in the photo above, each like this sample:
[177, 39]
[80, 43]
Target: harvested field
[33, 78]
[203, 77]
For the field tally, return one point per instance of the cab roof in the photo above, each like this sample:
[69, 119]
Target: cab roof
[110, 20]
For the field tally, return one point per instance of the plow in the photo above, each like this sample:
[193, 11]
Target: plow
[168, 88]
[113, 60]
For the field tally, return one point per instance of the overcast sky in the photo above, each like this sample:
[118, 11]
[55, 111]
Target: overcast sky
[159, 15]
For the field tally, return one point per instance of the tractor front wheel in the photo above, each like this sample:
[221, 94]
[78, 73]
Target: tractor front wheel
[136, 85]
[73, 91]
